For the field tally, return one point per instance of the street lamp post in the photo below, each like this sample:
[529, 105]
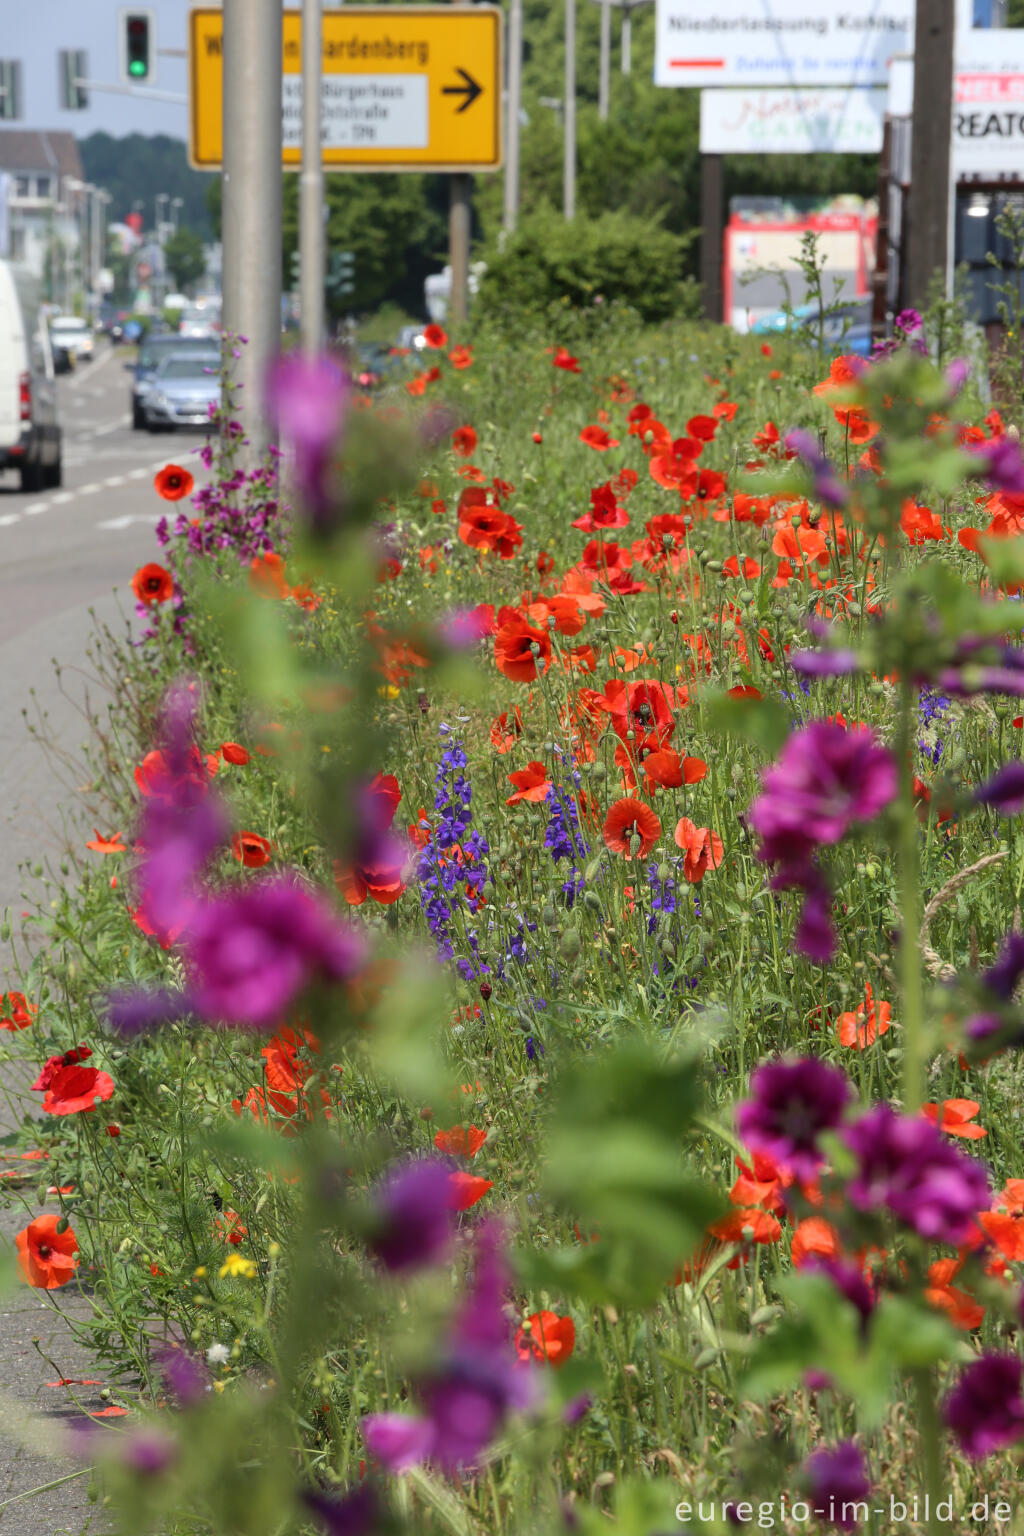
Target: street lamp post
[177, 203]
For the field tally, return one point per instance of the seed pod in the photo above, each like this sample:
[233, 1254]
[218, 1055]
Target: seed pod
[549, 917]
[62, 1226]
[570, 944]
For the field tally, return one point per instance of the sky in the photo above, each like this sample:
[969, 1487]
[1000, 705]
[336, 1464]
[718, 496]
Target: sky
[43, 27]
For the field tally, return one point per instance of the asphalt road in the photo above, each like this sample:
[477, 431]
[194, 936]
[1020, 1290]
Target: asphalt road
[62, 555]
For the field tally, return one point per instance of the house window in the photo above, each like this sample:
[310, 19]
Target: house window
[17, 244]
[44, 186]
[23, 186]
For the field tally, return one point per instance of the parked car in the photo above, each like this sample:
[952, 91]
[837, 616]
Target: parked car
[73, 334]
[30, 436]
[184, 387]
[847, 327]
[201, 321]
[152, 351]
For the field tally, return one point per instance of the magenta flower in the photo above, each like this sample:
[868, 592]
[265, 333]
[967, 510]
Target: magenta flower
[985, 1410]
[848, 1279]
[826, 778]
[791, 1103]
[308, 398]
[838, 1483]
[251, 951]
[1000, 462]
[477, 1382]
[907, 1165]
[1004, 791]
[414, 1216]
[356, 1513]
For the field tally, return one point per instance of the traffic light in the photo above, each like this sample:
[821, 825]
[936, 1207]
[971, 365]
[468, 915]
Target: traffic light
[138, 32]
[73, 68]
[341, 275]
[10, 88]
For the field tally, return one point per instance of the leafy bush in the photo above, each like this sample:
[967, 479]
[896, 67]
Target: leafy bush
[550, 260]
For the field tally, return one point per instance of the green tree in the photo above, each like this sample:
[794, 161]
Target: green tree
[135, 168]
[185, 257]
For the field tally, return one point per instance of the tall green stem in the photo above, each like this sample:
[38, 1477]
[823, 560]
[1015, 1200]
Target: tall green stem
[911, 986]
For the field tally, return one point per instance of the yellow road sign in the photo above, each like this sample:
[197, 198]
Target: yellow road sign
[405, 88]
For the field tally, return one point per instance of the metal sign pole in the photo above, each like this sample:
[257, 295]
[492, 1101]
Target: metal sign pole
[311, 185]
[569, 116]
[604, 78]
[253, 71]
[515, 92]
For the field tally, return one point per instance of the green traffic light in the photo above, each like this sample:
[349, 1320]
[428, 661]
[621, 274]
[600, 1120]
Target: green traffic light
[137, 67]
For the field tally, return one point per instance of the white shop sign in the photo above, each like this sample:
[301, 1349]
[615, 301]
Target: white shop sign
[831, 122]
[988, 112]
[779, 42]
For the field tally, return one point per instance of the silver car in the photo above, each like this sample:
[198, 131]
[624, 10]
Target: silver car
[182, 391]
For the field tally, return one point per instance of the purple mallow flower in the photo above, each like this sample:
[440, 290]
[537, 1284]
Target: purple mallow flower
[838, 1484]
[250, 952]
[904, 1163]
[791, 1103]
[469, 1393]
[848, 1279]
[826, 778]
[1000, 461]
[838, 663]
[415, 1223]
[828, 487]
[356, 1513]
[985, 1410]
[1004, 791]
[307, 398]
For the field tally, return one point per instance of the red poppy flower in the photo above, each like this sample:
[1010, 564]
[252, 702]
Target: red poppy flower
[466, 1189]
[46, 1257]
[74, 1090]
[381, 871]
[640, 709]
[172, 482]
[862, 1028]
[231, 752]
[674, 466]
[954, 1116]
[228, 1227]
[153, 584]
[702, 427]
[251, 850]
[504, 733]
[959, 1306]
[628, 819]
[484, 526]
[1004, 1224]
[529, 783]
[710, 485]
[814, 1238]
[155, 780]
[464, 440]
[100, 844]
[597, 437]
[666, 769]
[18, 1012]
[549, 1339]
[461, 1141]
[435, 337]
[565, 360]
[703, 849]
[266, 575]
[514, 650]
[50, 1068]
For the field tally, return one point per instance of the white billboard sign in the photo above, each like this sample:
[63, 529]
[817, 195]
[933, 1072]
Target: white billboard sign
[830, 122]
[988, 111]
[779, 42]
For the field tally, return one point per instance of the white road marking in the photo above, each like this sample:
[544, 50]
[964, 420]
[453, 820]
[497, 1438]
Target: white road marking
[35, 506]
[116, 522]
[65, 496]
[89, 490]
[137, 474]
[114, 480]
[115, 426]
[8, 518]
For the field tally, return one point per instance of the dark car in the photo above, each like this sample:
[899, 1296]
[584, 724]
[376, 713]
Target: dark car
[152, 351]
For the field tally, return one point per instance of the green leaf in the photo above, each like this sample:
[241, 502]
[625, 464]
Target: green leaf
[763, 723]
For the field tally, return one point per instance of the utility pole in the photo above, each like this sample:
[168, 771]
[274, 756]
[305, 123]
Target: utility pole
[712, 232]
[569, 168]
[604, 78]
[251, 220]
[459, 215]
[931, 136]
[311, 185]
[514, 106]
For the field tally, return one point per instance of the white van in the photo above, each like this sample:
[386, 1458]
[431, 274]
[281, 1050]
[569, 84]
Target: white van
[30, 437]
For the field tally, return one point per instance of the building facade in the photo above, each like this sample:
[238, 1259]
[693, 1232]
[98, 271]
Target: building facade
[45, 191]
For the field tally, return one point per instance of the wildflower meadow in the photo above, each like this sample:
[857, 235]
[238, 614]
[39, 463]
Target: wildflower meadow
[531, 1042]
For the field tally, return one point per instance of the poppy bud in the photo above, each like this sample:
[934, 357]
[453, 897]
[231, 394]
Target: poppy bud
[673, 617]
[664, 872]
[592, 901]
[549, 917]
[570, 944]
[485, 990]
[62, 1226]
[426, 1113]
[537, 437]
[113, 1130]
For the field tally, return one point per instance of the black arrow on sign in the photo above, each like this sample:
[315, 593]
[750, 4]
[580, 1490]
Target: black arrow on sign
[470, 90]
